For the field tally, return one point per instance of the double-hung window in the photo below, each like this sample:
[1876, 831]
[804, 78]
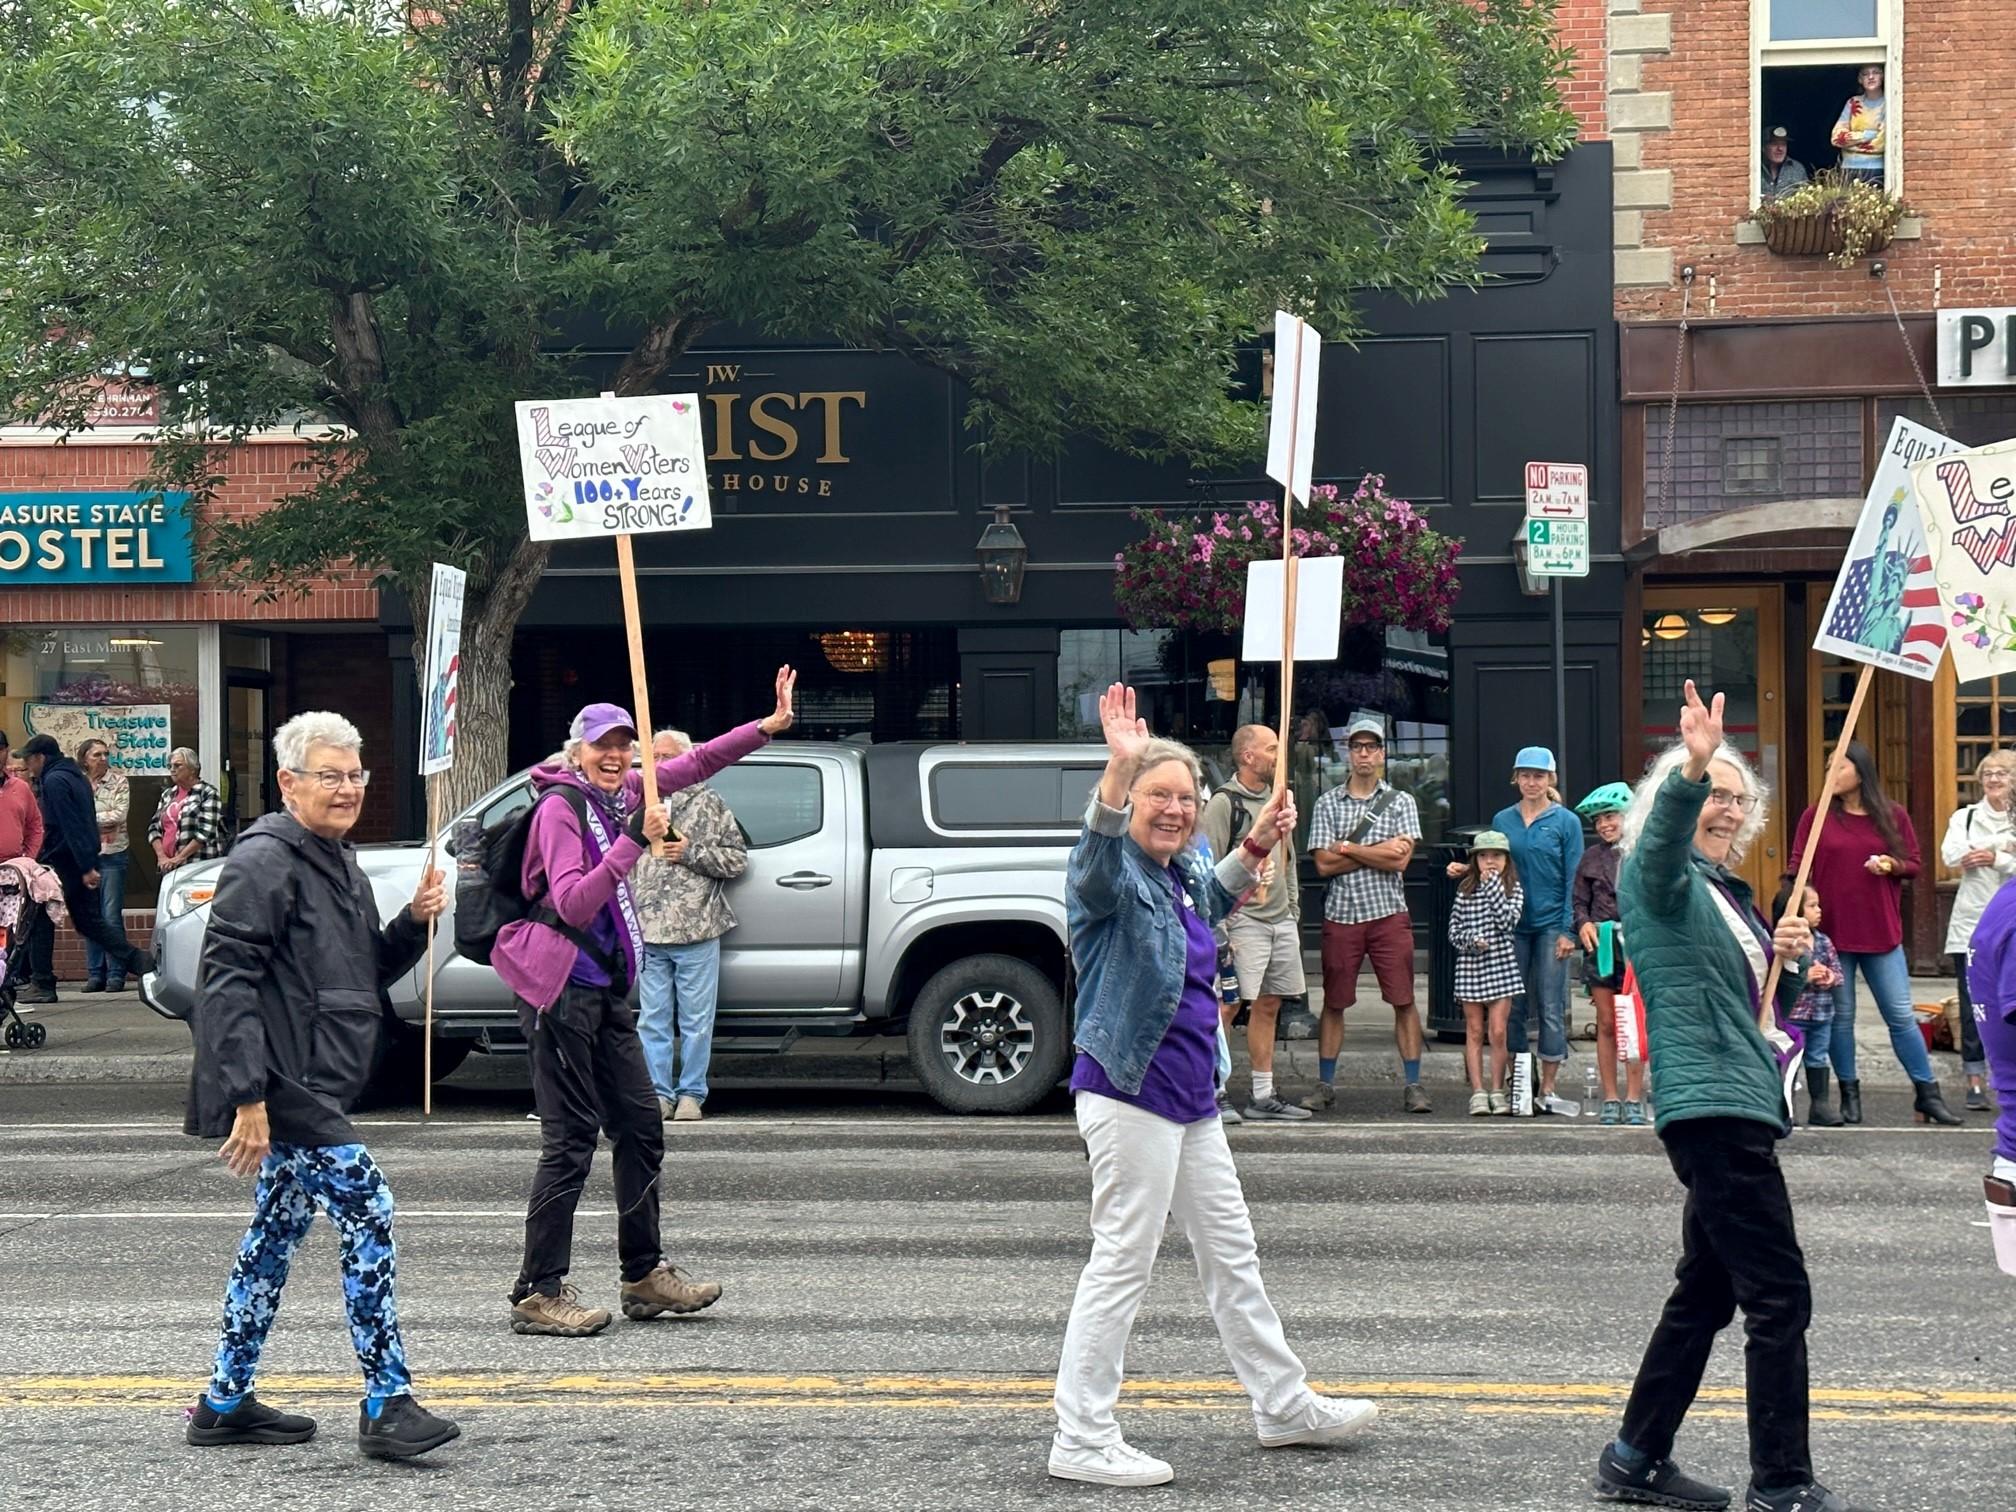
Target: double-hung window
[1806, 58]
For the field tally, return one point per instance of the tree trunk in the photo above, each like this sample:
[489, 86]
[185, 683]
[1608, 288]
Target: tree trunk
[483, 690]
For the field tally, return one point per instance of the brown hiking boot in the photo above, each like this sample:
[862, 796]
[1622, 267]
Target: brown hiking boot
[668, 1289]
[537, 1313]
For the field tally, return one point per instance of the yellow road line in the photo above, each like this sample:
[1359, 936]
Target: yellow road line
[924, 1392]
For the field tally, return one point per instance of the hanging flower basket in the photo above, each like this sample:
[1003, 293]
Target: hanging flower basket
[1841, 219]
[1396, 570]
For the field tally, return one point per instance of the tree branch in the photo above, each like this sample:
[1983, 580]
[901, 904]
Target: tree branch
[660, 347]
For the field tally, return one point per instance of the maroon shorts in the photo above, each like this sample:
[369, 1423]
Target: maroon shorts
[1390, 944]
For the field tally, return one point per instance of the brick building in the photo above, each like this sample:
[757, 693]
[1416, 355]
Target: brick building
[106, 624]
[1783, 382]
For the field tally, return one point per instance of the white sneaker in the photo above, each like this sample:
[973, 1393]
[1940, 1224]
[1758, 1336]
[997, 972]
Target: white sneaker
[1116, 1464]
[1326, 1420]
[1480, 1104]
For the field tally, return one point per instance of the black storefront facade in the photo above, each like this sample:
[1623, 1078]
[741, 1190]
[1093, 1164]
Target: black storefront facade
[848, 501]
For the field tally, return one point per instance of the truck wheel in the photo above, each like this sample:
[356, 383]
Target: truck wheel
[987, 1035]
[397, 1079]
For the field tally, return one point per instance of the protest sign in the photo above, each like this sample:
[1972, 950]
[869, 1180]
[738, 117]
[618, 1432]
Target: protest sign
[1884, 610]
[138, 734]
[612, 467]
[1319, 609]
[441, 670]
[1964, 503]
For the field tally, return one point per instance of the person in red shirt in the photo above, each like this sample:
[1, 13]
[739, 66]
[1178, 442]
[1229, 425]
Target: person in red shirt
[1867, 851]
[20, 814]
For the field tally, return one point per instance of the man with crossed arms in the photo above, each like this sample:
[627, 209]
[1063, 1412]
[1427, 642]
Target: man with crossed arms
[1361, 837]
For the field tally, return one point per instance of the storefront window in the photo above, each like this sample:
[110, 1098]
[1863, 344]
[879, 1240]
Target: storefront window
[1194, 687]
[1985, 721]
[131, 685]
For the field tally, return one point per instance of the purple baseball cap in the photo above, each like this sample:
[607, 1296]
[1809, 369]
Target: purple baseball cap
[597, 720]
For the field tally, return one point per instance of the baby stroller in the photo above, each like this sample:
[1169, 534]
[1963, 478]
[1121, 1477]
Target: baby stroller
[19, 882]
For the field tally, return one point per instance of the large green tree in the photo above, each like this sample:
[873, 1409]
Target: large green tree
[383, 213]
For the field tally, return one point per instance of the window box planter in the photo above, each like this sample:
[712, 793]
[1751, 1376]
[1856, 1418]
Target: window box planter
[1842, 220]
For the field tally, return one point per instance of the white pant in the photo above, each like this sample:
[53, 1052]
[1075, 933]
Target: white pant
[1143, 1169]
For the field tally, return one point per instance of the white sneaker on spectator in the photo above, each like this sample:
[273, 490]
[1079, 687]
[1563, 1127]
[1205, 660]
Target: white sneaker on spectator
[1115, 1464]
[1272, 1107]
[1326, 1420]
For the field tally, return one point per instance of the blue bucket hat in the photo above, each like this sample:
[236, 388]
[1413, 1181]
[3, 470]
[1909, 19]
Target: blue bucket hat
[1534, 759]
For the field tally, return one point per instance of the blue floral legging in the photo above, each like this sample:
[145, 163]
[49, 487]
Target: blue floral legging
[344, 1182]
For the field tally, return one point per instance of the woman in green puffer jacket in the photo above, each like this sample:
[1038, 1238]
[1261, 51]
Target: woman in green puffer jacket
[1701, 954]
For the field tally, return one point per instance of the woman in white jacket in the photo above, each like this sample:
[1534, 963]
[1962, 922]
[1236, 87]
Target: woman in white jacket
[1980, 844]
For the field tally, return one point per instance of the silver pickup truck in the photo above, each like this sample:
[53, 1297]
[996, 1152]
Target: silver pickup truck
[909, 888]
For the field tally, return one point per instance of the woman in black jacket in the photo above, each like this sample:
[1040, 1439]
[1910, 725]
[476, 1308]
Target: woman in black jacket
[287, 1023]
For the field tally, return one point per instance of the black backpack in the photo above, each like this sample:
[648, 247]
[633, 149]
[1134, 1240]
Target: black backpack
[490, 889]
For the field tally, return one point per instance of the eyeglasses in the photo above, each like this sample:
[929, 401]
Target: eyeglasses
[1741, 802]
[1367, 745]
[329, 781]
[1162, 798]
[1995, 774]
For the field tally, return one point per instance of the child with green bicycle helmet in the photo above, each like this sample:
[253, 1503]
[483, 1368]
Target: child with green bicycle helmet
[1597, 923]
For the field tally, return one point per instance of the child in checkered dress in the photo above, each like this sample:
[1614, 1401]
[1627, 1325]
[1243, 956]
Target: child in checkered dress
[1488, 901]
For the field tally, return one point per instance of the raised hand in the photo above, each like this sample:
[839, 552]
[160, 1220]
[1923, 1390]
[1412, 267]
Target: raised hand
[1125, 731]
[1700, 730]
[1276, 819]
[779, 721]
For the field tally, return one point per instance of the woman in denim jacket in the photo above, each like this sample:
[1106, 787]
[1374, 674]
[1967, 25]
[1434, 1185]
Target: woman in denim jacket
[1142, 902]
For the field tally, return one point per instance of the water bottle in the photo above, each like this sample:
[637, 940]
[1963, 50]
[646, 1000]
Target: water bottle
[1589, 1089]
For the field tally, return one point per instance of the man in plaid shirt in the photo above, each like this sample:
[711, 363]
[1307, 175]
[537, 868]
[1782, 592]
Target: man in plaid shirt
[1362, 837]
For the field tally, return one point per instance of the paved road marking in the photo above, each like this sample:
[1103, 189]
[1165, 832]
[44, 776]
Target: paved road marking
[922, 1392]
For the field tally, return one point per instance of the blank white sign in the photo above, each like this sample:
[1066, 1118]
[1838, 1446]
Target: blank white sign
[1319, 609]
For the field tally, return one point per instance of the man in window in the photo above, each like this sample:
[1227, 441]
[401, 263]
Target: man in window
[1859, 131]
[1781, 173]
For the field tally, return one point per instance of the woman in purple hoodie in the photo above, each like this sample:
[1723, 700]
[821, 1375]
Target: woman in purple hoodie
[573, 966]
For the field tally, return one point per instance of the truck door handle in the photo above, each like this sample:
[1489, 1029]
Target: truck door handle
[805, 880]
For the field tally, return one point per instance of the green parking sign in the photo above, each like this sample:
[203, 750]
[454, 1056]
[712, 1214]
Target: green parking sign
[1557, 548]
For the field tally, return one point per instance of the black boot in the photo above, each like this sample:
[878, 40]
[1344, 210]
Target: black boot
[1820, 1110]
[1931, 1107]
[1851, 1101]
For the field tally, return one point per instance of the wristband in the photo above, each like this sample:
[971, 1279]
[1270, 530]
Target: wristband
[1257, 852]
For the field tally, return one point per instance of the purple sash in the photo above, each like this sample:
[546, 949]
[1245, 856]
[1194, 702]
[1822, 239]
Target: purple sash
[631, 935]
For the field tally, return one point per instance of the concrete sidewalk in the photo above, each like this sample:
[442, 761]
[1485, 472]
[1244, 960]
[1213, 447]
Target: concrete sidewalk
[113, 1037]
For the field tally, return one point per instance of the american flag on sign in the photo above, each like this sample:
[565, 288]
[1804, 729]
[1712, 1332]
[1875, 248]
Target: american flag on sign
[1889, 602]
[454, 683]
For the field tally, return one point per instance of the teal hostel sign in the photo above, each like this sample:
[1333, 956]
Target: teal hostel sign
[74, 536]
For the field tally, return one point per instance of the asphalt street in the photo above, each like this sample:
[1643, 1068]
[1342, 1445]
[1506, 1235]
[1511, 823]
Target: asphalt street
[896, 1286]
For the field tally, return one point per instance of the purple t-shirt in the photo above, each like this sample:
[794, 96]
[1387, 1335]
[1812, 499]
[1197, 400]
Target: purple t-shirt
[1181, 1084]
[1991, 982]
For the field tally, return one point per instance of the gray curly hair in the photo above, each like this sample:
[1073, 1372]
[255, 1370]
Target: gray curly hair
[318, 727]
[1159, 751]
[1669, 761]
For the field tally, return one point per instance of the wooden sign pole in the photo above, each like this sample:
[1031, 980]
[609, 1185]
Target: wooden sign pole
[1288, 571]
[427, 1021]
[640, 693]
[1820, 812]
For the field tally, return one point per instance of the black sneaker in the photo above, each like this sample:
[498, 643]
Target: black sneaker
[1811, 1497]
[250, 1422]
[404, 1430]
[1656, 1483]
[35, 993]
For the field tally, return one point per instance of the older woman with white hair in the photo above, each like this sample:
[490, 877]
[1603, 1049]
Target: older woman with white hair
[295, 965]
[573, 964]
[1702, 955]
[1980, 844]
[1141, 902]
[188, 822]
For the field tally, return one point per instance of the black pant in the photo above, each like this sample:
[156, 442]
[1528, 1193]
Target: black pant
[87, 917]
[1737, 1249]
[1971, 1053]
[41, 947]
[589, 1076]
